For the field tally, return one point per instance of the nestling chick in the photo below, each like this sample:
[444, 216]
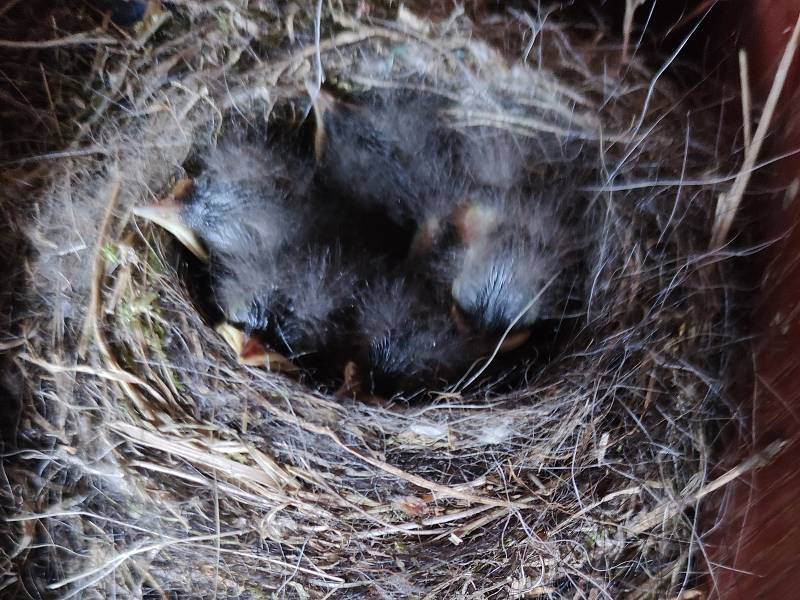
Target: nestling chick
[489, 159]
[406, 341]
[507, 266]
[296, 297]
[249, 215]
[248, 197]
[392, 155]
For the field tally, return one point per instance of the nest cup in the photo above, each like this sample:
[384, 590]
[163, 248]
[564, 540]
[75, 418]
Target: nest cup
[157, 466]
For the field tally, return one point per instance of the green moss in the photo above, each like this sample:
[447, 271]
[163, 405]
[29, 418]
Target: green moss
[110, 254]
[133, 314]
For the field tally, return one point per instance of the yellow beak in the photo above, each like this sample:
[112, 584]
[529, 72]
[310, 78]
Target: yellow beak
[167, 214]
[250, 351]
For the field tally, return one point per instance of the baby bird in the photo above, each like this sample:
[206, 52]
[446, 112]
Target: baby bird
[506, 266]
[499, 250]
[298, 297]
[247, 199]
[406, 340]
[391, 155]
[488, 159]
[249, 215]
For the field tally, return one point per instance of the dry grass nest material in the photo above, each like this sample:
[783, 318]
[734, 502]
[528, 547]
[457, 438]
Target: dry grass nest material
[152, 465]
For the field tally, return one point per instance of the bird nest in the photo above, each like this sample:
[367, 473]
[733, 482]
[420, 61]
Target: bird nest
[151, 463]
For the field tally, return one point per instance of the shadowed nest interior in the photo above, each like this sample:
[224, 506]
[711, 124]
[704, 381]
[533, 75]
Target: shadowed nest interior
[145, 462]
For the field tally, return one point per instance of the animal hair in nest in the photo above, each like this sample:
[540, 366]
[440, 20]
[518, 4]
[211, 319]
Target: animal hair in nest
[148, 463]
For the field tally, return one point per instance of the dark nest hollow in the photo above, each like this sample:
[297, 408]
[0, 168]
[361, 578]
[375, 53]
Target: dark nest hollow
[142, 460]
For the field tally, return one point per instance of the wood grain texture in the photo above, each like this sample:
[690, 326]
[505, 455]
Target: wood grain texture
[754, 546]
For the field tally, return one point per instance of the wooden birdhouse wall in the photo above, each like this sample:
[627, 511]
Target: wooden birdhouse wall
[755, 541]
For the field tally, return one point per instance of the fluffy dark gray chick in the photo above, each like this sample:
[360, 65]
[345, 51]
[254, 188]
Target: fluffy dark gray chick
[488, 159]
[406, 340]
[297, 297]
[391, 154]
[247, 197]
[251, 215]
[508, 264]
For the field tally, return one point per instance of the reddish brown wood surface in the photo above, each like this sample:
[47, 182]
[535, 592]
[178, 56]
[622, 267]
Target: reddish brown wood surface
[755, 546]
